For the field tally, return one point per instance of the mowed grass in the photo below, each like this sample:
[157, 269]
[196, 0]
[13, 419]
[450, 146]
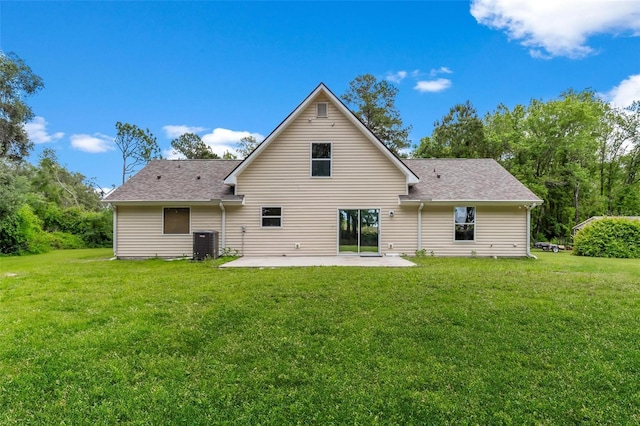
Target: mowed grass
[84, 340]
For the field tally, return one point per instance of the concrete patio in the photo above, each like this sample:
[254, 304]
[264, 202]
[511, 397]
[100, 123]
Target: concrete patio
[287, 262]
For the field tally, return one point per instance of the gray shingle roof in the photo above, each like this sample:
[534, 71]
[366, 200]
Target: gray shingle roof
[460, 180]
[177, 180]
[465, 179]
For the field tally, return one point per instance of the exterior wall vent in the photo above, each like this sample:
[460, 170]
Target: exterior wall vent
[322, 110]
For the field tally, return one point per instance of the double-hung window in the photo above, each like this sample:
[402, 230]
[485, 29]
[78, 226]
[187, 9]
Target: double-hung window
[465, 224]
[271, 217]
[176, 220]
[321, 160]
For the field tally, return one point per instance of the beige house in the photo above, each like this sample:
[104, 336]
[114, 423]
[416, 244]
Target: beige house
[322, 184]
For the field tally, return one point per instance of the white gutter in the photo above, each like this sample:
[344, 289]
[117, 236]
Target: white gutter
[420, 226]
[529, 230]
[115, 231]
[223, 231]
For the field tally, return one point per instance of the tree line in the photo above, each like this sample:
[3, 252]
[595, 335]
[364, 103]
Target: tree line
[42, 206]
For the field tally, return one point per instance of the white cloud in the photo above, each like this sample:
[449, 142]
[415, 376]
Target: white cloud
[221, 136]
[437, 85]
[94, 144]
[176, 131]
[397, 77]
[560, 27]
[625, 93]
[441, 70]
[223, 140]
[37, 131]
[172, 154]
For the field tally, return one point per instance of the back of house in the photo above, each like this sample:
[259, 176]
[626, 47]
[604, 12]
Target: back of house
[322, 184]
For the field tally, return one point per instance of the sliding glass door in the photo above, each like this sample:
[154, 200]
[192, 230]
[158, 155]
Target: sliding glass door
[359, 232]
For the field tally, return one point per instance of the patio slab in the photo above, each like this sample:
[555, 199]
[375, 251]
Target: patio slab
[288, 262]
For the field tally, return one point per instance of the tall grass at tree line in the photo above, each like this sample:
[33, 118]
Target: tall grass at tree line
[84, 340]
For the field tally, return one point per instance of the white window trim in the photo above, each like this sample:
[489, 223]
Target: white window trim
[281, 216]
[475, 225]
[311, 160]
[175, 207]
[326, 108]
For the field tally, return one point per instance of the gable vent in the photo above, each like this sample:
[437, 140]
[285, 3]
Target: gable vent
[322, 110]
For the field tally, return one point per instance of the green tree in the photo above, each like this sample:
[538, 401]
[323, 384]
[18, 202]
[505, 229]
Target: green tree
[552, 147]
[626, 190]
[192, 147]
[46, 206]
[13, 191]
[373, 102]
[460, 134]
[16, 82]
[137, 147]
[55, 184]
[631, 130]
[228, 155]
[247, 145]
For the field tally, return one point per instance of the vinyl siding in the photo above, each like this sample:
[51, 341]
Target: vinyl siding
[139, 230]
[362, 178]
[500, 231]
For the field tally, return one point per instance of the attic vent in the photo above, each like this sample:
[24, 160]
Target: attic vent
[322, 110]
[198, 177]
[159, 176]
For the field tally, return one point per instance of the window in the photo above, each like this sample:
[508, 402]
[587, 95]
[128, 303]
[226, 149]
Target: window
[176, 220]
[465, 224]
[321, 159]
[322, 110]
[271, 217]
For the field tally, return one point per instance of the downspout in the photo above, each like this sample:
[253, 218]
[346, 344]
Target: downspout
[223, 231]
[420, 226]
[115, 231]
[529, 230]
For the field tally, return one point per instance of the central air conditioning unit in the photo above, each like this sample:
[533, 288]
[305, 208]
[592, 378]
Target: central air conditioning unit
[205, 245]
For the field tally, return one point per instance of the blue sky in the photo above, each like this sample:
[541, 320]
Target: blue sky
[228, 69]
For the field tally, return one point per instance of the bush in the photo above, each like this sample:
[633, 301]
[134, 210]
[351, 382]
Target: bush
[96, 228]
[609, 238]
[28, 236]
[64, 240]
[93, 229]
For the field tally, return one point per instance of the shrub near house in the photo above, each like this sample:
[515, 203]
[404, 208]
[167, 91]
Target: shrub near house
[609, 238]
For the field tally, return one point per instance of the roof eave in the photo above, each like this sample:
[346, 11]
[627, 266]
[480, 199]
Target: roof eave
[213, 201]
[475, 202]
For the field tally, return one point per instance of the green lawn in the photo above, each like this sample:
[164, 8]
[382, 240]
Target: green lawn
[84, 340]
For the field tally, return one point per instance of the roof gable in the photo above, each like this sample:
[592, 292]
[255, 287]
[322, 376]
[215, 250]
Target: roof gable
[321, 89]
